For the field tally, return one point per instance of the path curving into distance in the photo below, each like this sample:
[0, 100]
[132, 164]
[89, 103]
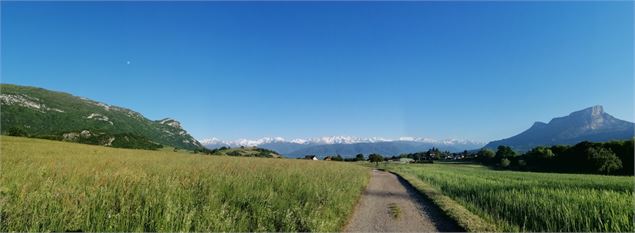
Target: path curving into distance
[390, 204]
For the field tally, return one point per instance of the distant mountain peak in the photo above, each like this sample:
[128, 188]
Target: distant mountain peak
[590, 124]
[538, 124]
[596, 111]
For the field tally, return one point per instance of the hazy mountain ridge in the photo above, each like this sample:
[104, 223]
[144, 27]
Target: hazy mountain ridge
[590, 124]
[346, 145]
[39, 112]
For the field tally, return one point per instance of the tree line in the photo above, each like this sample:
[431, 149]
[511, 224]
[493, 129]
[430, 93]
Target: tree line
[608, 158]
[374, 158]
[427, 156]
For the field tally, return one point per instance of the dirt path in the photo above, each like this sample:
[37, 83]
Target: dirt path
[390, 204]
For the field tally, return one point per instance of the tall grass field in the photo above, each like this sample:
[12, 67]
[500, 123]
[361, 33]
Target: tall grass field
[526, 201]
[58, 186]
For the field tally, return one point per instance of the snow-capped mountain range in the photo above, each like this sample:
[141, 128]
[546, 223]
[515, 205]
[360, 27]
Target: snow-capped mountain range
[346, 145]
[328, 140]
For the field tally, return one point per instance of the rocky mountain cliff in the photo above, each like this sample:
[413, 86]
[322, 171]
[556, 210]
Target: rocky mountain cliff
[590, 124]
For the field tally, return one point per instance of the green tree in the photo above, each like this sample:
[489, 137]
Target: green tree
[603, 160]
[486, 154]
[559, 149]
[541, 152]
[624, 151]
[505, 163]
[376, 158]
[359, 157]
[505, 152]
[433, 154]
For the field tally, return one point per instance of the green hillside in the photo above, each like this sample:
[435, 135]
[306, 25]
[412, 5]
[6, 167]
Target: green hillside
[246, 152]
[37, 112]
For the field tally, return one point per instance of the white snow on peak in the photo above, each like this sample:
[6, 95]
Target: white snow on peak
[346, 140]
[406, 139]
[208, 141]
[265, 140]
[299, 141]
[241, 142]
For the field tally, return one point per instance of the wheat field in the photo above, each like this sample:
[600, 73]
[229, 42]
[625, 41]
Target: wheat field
[58, 186]
[530, 201]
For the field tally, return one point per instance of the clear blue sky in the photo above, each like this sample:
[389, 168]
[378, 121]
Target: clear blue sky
[479, 71]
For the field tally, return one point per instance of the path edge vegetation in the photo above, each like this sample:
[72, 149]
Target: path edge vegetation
[457, 212]
[349, 217]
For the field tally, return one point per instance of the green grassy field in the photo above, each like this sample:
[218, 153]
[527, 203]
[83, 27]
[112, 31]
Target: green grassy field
[57, 186]
[525, 201]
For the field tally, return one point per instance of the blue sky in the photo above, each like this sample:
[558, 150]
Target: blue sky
[479, 70]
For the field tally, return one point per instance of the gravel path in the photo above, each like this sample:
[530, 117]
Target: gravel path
[390, 204]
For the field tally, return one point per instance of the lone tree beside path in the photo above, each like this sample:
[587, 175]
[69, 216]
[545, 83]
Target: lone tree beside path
[375, 158]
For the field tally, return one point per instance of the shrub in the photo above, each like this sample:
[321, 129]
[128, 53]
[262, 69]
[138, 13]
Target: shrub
[504, 163]
[504, 152]
[15, 131]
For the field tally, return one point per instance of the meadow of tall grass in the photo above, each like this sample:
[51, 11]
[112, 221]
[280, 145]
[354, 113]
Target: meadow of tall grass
[527, 201]
[58, 186]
